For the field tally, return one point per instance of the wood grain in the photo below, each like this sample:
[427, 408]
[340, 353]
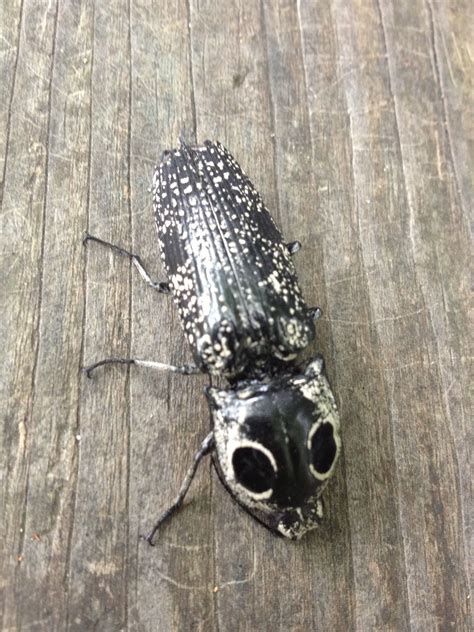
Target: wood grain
[354, 119]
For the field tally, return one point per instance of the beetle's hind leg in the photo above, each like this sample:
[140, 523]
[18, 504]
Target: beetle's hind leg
[185, 369]
[206, 446]
[159, 286]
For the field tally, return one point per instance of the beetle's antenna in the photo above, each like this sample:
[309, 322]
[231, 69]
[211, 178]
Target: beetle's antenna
[206, 446]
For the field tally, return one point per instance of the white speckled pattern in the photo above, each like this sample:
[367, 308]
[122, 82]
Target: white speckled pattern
[230, 272]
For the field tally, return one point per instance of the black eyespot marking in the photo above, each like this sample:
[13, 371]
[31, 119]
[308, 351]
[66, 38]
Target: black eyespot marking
[253, 469]
[323, 448]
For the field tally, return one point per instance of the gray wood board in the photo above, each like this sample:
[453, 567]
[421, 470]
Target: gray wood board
[354, 119]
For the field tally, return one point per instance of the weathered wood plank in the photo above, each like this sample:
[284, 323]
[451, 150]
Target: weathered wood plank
[10, 21]
[53, 449]
[456, 79]
[22, 246]
[97, 581]
[434, 195]
[450, 28]
[379, 598]
[352, 118]
[401, 315]
[172, 583]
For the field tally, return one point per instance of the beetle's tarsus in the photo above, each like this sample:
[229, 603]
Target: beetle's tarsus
[92, 367]
[87, 371]
[148, 538]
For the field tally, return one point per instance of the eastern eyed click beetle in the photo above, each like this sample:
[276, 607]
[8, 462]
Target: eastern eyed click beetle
[275, 429]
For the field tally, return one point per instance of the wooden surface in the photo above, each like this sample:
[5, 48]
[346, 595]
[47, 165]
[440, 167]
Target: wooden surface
[352, 118]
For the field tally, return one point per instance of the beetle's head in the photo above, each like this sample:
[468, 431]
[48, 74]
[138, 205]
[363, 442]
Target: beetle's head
[277, 444]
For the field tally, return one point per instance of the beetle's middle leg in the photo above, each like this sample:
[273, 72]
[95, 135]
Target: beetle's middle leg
[160, 286]
[185, 369]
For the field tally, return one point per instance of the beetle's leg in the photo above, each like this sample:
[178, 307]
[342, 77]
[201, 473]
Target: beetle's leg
[293, 247]
[206, 446]
[160, 286]
[315, 313]
[186, 369]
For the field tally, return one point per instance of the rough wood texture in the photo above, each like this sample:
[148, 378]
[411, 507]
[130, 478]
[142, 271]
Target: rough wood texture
[353, 119]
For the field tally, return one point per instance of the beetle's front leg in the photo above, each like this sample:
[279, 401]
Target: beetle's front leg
[206, 446]
[185, 369]
[160, 286]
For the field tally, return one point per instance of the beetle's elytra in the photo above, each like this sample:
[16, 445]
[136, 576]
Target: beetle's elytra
[275, 429]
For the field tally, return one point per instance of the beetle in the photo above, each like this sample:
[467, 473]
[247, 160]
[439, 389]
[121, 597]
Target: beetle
[275, 428]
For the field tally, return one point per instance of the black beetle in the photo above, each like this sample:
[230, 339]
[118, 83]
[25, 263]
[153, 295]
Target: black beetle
[275, 435]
